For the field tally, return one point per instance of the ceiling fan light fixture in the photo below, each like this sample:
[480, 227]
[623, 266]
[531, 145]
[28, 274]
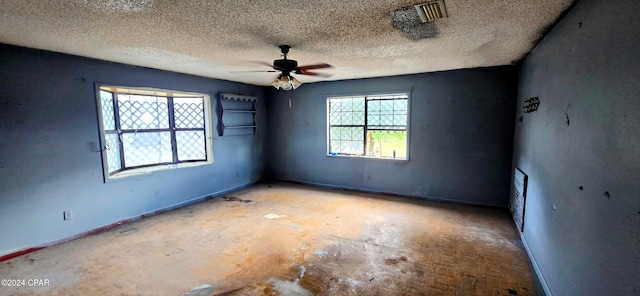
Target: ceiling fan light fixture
[276, 83]
[285, 85]
[286, 82]
[294, 82]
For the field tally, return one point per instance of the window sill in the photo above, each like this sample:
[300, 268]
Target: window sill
[369, 157]
[149, 170]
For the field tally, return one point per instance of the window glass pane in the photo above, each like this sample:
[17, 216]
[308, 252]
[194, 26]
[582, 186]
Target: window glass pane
[347, 104]
[386, 106]
[390, 114]
[358, 117]
[386, 120]
[113, 152]
[358, 104]
[373, 119]
[334, 118]
[385, 132]
[334, 105]
[358, 147]
[399, 105]
[388, 144]
[344, 147]
[334, 146]
[346, 125]
[188, 112]
[349, 147]
[334, 133]
[191, 145]
[142, 112]
[346, 111]
[108, 119]
[373, 106]
[352, 133]
[400, 120]
[346, 118]
[339, 131]
[335, 114]
[357, 133]
[347, 140]
[147, 148]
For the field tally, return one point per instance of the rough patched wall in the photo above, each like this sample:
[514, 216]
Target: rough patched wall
[581, 151]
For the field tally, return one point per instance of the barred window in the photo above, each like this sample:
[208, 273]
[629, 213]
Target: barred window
[146, 128]
[371, 126]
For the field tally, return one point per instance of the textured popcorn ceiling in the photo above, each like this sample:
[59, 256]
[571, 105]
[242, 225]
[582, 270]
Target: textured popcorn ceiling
[363, 38]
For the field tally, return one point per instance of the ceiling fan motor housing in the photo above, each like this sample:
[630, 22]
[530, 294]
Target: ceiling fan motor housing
[285, 65]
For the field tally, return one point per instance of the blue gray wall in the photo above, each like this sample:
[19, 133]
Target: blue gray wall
[50, 160]
[585, 134]
[587, 69]
[461, 136]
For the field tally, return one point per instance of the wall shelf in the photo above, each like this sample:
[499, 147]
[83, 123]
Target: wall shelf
[236, 115]
[241, 126]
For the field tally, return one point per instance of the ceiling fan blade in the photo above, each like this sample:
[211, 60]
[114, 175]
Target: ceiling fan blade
[235, 72]
[314, 66]
[309, 73]
[262, 63]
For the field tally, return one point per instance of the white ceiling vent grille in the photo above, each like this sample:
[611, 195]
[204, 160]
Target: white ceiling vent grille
[431, 10]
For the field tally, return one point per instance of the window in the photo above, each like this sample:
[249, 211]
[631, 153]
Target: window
[146, 129]
[370, 126]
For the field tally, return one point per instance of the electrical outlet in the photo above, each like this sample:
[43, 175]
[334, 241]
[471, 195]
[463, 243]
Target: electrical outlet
[67, 215]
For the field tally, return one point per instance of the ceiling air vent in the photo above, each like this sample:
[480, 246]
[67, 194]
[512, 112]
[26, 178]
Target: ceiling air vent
[431, 10]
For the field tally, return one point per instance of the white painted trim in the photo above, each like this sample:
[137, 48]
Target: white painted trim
[536, 268]
[137, 172]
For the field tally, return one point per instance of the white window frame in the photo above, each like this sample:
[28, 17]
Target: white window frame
[365, 95]
[132, 172]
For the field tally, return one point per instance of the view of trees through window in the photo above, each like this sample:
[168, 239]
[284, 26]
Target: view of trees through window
[391, 144]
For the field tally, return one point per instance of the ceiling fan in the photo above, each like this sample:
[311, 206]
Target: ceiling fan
[287, 66]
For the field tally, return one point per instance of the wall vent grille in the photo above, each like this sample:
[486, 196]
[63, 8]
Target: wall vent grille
[431, 11]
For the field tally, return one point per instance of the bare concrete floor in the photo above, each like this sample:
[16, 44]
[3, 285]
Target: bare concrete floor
[290, 240]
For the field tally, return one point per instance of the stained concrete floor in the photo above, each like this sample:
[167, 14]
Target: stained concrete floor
[290, 240]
